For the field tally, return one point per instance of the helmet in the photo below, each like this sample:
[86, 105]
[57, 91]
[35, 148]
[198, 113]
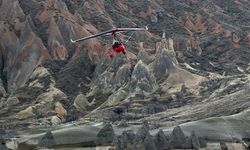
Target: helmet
[116, 42]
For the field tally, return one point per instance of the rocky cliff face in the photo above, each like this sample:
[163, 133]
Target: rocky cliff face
[200, 63]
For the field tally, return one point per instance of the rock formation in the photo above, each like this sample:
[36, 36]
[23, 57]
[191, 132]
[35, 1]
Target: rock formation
[47, 141]
[192, 64]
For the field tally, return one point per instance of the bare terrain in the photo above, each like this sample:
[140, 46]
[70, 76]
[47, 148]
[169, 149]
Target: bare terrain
[189, 70]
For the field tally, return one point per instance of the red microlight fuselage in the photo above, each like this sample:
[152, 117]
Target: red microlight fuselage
[117, 49]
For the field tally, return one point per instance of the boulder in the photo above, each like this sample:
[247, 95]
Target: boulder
[55, 120]
[48, 100]
[81, 103]
[59, 109]
[26, 113]
[11, 101]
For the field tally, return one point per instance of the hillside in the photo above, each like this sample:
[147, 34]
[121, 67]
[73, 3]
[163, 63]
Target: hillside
[192, 64]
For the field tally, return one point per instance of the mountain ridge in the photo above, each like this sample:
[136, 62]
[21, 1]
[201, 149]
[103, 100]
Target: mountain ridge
[199, 65]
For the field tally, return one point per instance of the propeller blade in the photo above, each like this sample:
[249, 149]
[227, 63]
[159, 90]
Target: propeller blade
[72, 41]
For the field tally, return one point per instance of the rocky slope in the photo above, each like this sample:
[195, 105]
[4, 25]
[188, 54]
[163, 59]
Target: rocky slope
[192, 64]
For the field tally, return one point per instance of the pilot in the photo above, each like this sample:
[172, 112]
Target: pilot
[116, 44]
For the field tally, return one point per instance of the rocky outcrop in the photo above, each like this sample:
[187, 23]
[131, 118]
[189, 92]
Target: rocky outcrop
[192, 142]
[31, 48]
[81, 103]
[10, 10]
[71, 30]
[24, 35]
[105, 135]
[123, 75]
[66, 135]
[46, 100]
[115, 99]
[47, 141]
[125, 141]
[161, 141]
[8, 49]
[162, 65]
[233, 128]
[56, 120]
[56, 43]
[59, 109]
[41, 78]
[204, 48]
[26, 113]
[11, 101]
[142, 132]
[178, 138]
[100, 133]
[142, 78]
[149, 143]
[143, 140]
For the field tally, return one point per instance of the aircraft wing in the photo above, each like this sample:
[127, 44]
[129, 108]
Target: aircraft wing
[112, 32]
